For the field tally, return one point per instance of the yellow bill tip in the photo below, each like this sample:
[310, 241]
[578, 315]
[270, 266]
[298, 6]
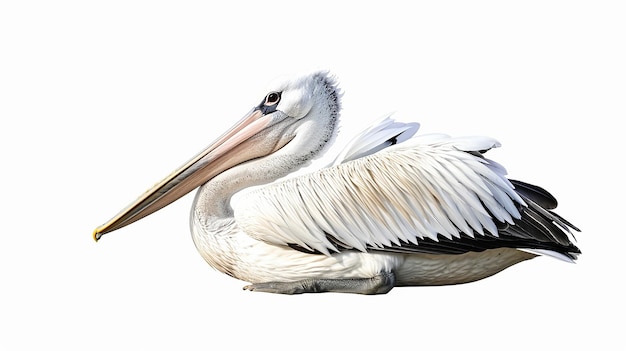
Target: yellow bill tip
[97, 234]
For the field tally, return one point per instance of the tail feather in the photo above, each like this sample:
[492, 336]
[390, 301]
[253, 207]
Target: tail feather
[552, 232]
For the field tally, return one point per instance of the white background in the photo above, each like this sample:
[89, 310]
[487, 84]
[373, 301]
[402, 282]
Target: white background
[100, 100]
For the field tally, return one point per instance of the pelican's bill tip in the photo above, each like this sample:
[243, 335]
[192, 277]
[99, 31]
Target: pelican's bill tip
[97, 234]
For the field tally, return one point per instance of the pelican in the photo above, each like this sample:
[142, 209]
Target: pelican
[392, 209]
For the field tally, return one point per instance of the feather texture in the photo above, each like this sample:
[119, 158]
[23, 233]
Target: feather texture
[438, 195]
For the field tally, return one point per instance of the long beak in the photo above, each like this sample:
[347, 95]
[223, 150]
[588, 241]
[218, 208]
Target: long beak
[197, 171]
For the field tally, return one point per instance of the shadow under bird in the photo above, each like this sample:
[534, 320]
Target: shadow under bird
[393, 209]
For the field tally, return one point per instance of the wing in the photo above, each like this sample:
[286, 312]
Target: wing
[381, 134]
[432, 193]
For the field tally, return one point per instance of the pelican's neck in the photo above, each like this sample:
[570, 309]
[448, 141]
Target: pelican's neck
[212, 201]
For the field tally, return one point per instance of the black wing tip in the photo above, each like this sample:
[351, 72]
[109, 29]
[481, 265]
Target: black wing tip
[536, 193]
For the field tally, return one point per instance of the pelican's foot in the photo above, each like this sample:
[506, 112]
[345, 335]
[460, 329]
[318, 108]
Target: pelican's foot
[378, 284]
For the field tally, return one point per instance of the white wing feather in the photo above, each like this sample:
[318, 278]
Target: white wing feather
[425, 187]
[376, 138]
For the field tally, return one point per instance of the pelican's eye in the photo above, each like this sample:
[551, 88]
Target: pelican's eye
[272, 98]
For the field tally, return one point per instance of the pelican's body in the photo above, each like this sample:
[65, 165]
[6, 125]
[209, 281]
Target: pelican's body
[392, 210]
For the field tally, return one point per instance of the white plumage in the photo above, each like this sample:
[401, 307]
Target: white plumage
[430, 188]
[392, 209]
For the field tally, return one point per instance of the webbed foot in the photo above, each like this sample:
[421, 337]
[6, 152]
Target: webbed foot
[378, 284]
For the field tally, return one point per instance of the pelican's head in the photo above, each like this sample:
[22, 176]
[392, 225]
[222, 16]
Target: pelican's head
[298, 95]
[294, 121]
